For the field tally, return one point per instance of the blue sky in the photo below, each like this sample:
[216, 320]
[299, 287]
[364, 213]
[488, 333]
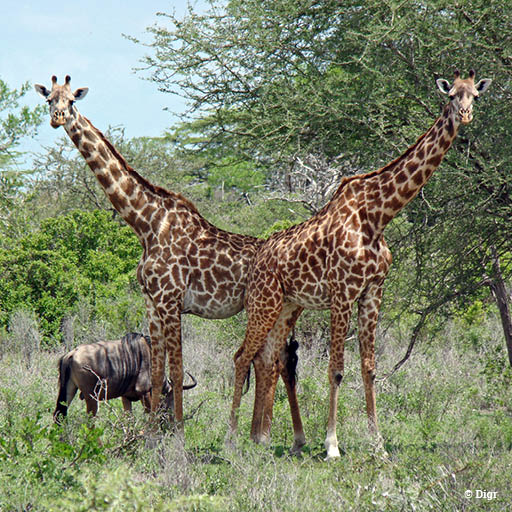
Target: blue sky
[85, 40]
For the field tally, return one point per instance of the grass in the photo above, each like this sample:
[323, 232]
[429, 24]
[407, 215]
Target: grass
[446, 420]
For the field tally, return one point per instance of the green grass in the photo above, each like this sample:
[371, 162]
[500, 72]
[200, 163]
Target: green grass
[446, 420]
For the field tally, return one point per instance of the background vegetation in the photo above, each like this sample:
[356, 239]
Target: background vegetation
[285, 98]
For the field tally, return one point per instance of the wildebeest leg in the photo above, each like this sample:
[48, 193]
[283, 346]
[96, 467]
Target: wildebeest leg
[127, 404]
[92, 404]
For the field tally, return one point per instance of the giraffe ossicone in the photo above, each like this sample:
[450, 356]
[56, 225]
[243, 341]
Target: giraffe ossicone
[333, 260]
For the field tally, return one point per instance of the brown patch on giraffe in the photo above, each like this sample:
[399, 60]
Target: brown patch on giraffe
[209, 281]
[449, 127]
[89, 135]
[105, 180]
[386, 219]
[86, 148]
[138, 202]
[435, 160]
[388, 188]
[406, 192]
[115, 172]
[393, 204]
[223, 260]
[402, 177]
[176, 274]
[103, 153]
[120, 202]
[412, 166]
[129, 187]
[418, 178]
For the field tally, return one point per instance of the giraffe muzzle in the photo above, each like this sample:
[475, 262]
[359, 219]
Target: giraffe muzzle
[466, 115]
[58, 119]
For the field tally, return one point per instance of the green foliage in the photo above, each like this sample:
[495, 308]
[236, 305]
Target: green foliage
[444, 419]
[277, 226]
[75, 256]
[16, 121]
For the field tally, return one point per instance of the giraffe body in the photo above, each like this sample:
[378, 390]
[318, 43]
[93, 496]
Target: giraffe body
[187, 265]
[333, 260]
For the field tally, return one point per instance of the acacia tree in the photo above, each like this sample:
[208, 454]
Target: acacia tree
[16, 121]
[352, 83]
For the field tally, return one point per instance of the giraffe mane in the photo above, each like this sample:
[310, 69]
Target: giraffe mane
[349, 179]
[155, 189]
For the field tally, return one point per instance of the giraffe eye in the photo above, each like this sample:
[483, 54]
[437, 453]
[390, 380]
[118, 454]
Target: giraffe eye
[452, 96]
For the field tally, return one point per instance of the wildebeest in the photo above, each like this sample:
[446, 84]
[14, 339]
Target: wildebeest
[110, 369]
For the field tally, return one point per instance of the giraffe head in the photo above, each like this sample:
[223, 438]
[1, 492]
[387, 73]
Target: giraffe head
[462, 94]
[60, 100]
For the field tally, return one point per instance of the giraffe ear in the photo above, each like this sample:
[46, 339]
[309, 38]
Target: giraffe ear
[444, 85]
[42, 90]
[80, 94]
[483, 85]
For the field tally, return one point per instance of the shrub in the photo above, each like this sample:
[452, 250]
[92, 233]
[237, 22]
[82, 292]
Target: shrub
[82, 255]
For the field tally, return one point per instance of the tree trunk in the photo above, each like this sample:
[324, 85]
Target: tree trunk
[499, 291]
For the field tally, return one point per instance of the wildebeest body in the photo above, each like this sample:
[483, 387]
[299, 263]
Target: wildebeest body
[108, 369]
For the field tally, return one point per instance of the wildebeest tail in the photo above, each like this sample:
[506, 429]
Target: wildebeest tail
[291, 360]
[61, 409]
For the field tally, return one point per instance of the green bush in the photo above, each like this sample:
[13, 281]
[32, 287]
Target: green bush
[82, 255]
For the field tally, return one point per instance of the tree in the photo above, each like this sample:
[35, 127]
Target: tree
[16, 122]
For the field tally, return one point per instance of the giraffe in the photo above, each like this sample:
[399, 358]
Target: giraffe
[187, 266]
[334, 259]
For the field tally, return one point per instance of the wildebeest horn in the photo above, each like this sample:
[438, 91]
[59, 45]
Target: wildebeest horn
[190, 386]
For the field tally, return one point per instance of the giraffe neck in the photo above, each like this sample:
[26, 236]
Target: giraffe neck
[131, 195]
[385, 192]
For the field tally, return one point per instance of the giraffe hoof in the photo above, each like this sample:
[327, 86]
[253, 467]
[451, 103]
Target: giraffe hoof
[332, 453]
[230, 441]
[297, 446]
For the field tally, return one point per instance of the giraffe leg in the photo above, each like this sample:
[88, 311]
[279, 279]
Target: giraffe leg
[259, 324]
[242, 362]
[157, 353]
[174, 352]
[299, 439]
[281, 331]
[340, 316]
[369, 305]
[263, 388]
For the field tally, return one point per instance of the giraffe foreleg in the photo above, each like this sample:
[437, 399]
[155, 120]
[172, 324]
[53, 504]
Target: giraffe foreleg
[171, 322]
[157, 353]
